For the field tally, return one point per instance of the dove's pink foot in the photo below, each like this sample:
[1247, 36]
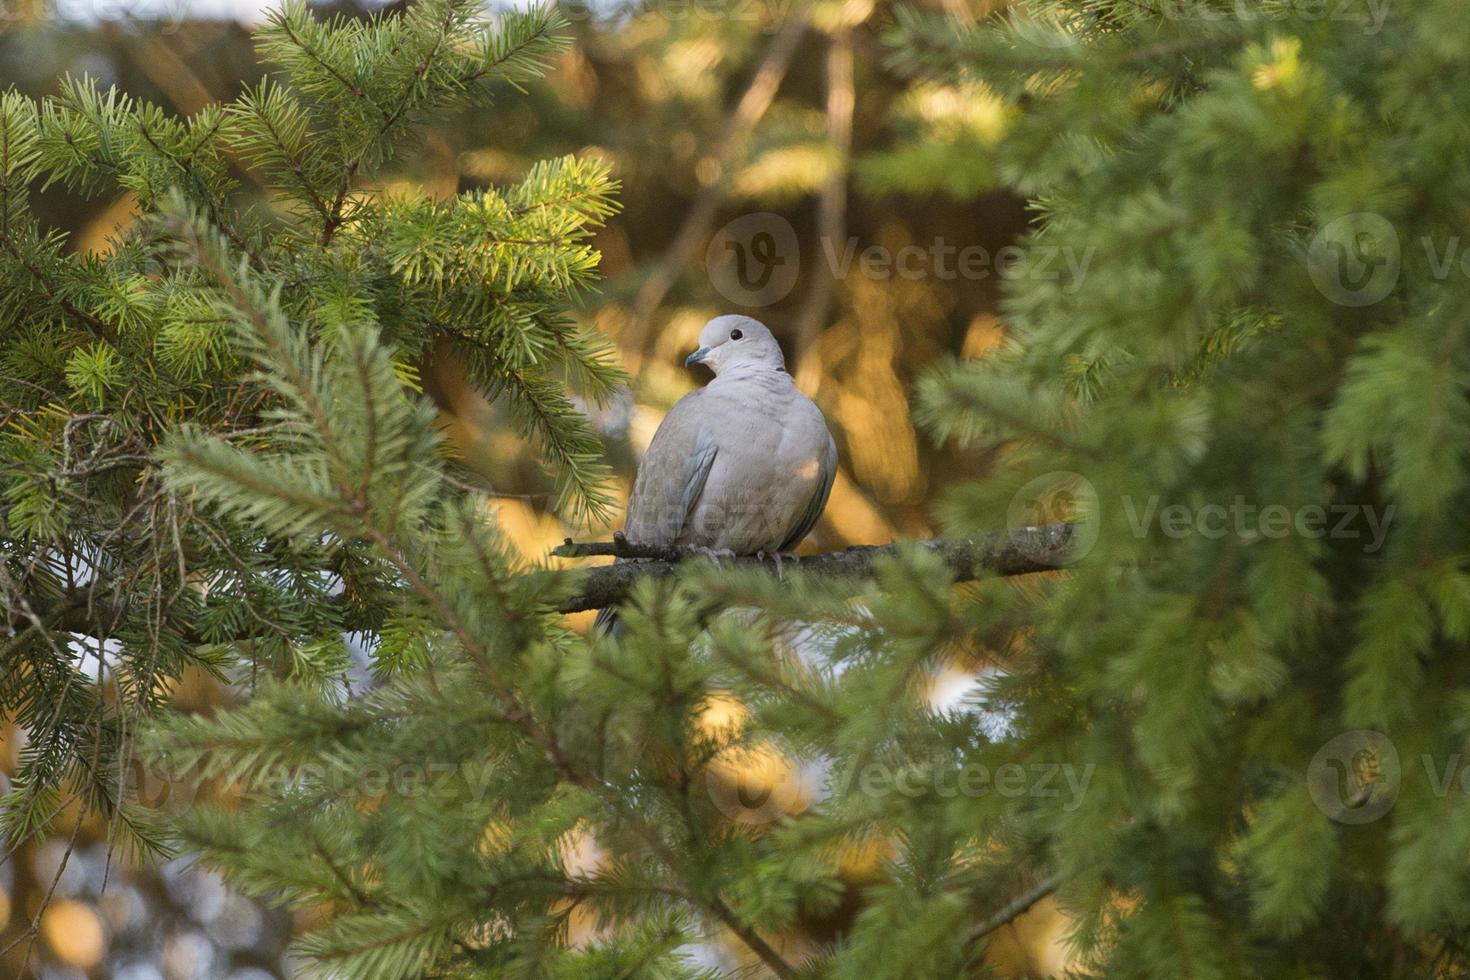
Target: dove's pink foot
[778, 557]
[715, 555]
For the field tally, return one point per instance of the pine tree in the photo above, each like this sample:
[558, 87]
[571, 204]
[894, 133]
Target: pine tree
[156, 345]
[1149, 740]
[1266, 328]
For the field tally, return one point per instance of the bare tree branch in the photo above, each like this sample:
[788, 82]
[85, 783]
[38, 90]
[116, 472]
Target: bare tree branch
[725, 151]
[1016, 552]
[1016, 907]
[832, 204]
[94, 611]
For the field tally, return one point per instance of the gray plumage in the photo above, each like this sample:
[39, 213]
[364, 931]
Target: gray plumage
[743, 465]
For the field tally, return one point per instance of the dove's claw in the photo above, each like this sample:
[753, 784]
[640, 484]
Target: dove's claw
[715, 555]
[777, 557]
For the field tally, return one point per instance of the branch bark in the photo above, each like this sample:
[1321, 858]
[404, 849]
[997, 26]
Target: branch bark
[725, 151]
[96, 612]
[832, 205]
[1016, 552]
[1016, 907]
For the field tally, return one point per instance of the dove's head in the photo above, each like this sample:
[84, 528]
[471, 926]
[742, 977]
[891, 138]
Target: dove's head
[737, 342]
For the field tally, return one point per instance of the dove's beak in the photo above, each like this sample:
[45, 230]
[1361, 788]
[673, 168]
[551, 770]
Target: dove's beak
[697, 357]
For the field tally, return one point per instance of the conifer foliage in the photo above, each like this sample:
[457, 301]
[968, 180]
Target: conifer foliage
[207, 328]
[1145, 746]
[1256, 395]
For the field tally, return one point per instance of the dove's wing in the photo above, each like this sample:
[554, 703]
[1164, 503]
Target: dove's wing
[808, 517]
[671, 475]
[671, 478]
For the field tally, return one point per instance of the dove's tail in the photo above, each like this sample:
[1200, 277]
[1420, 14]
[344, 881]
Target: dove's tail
[608, 622]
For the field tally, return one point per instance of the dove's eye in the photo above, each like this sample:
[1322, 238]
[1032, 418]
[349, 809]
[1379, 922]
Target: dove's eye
[736, 335]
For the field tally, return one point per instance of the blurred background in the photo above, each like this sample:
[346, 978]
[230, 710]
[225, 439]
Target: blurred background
[765, 147]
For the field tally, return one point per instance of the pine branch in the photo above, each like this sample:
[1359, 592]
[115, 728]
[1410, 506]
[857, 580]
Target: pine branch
[1016, 907]
[96, 613]
[767, 953]
[732, 139]
[94, 324]
[1017, 552]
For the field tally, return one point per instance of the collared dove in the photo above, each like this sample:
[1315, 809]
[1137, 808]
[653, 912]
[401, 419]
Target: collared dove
[742, 466]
